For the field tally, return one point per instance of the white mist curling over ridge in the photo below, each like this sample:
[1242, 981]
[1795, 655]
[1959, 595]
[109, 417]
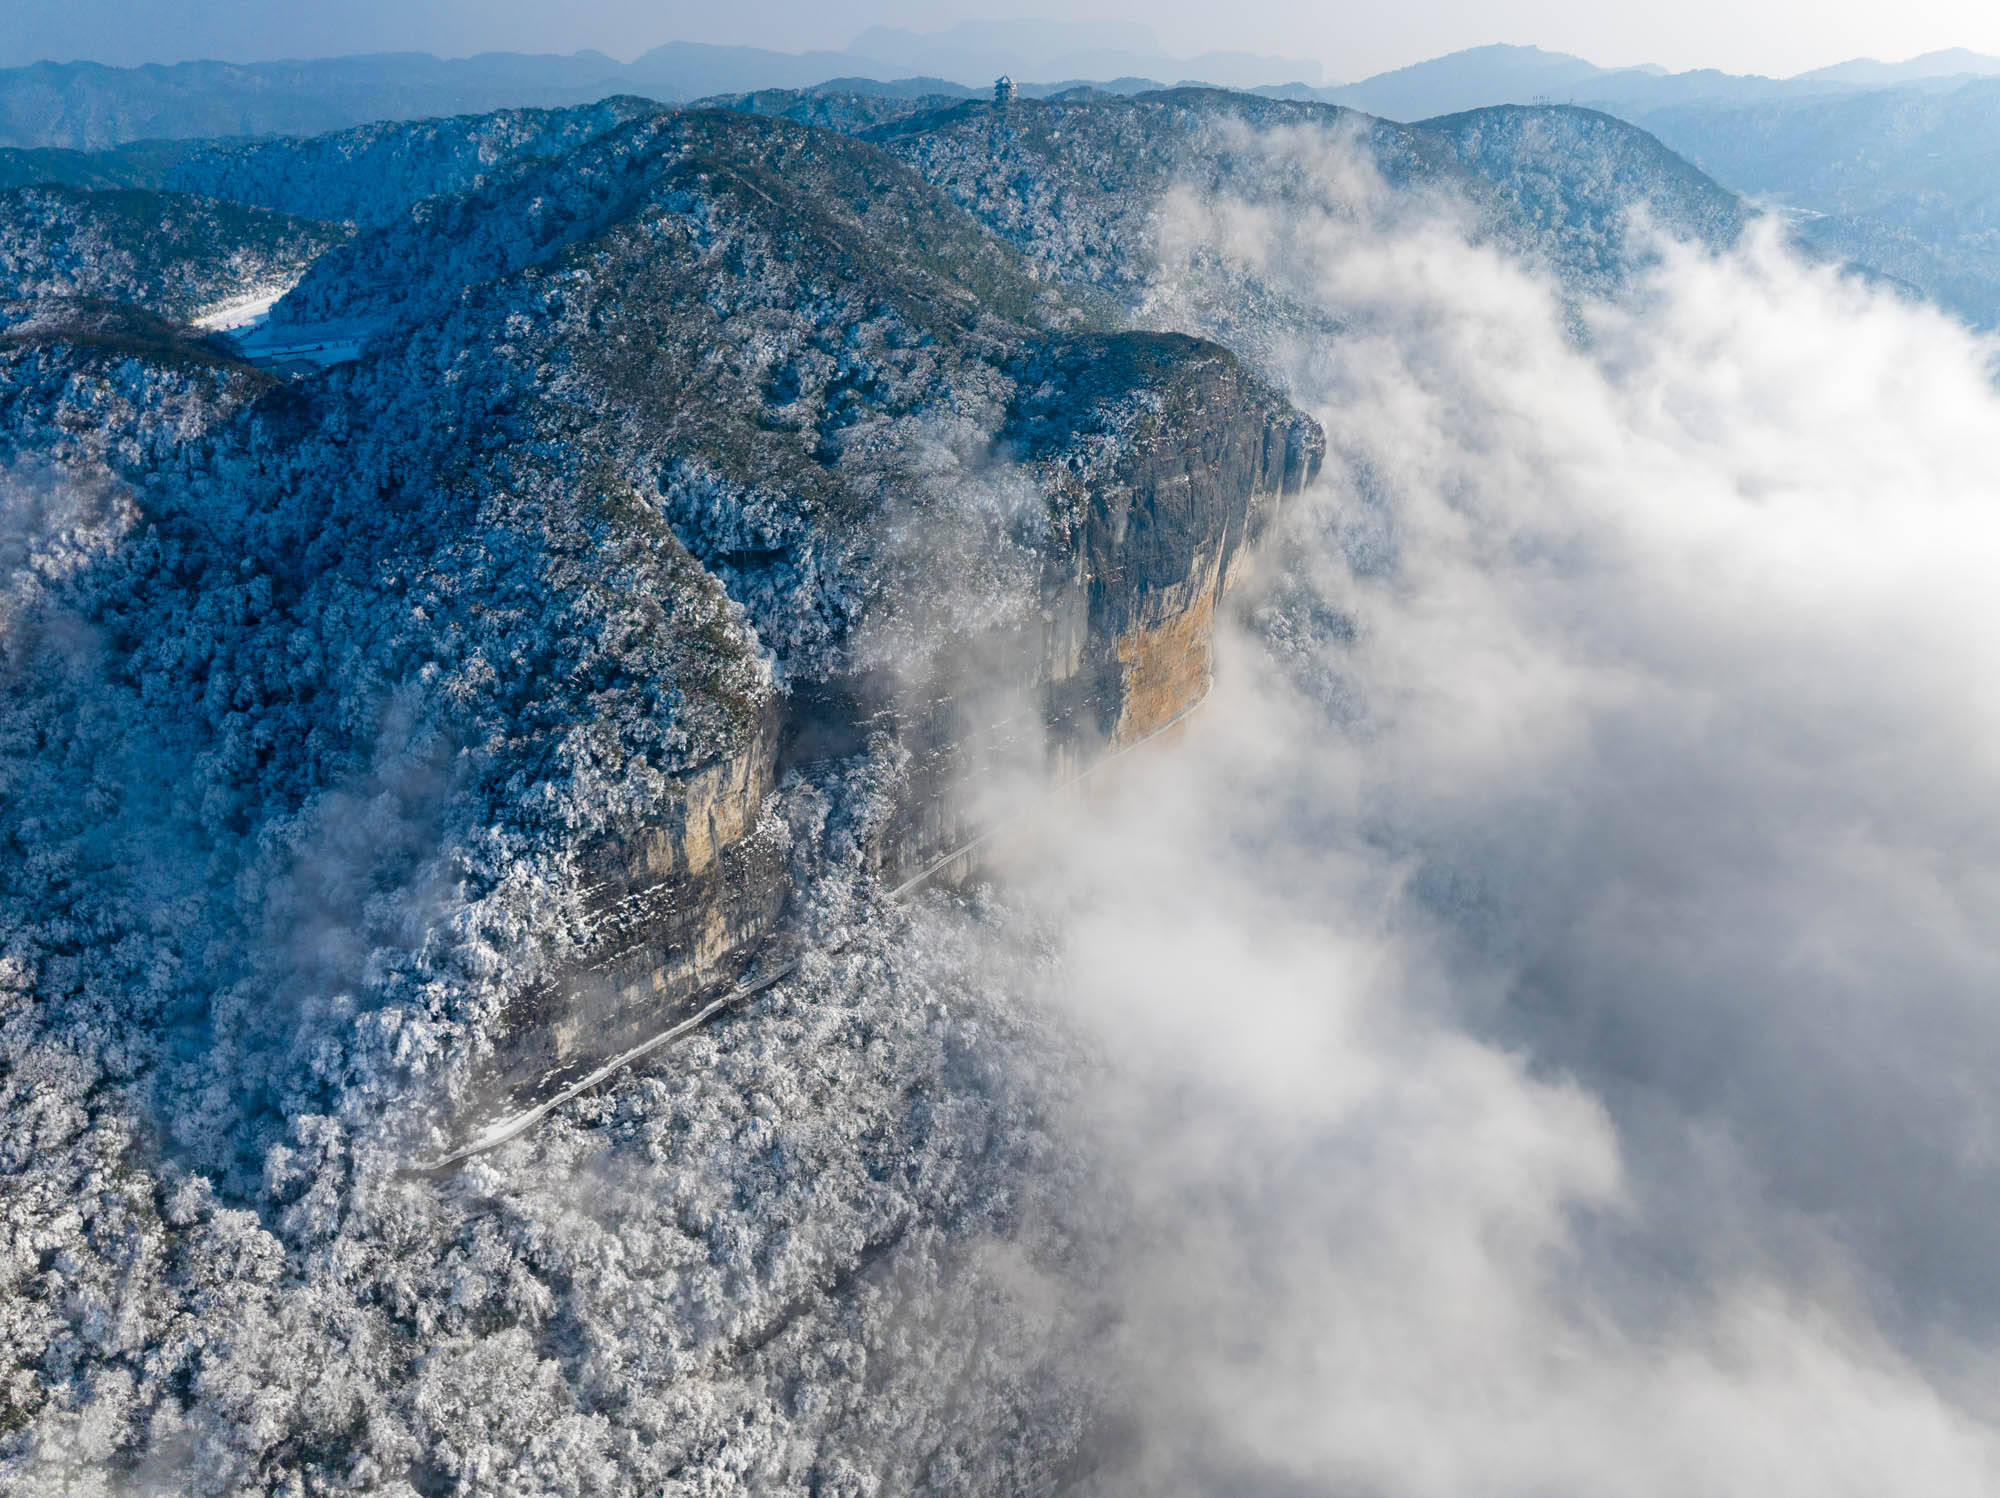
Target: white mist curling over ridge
[1557, 983]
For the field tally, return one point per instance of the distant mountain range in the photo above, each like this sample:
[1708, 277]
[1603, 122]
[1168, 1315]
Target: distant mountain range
[1484, 76]
[1866, 72]
[1885, 165]
[88, 106]
[1050, 52]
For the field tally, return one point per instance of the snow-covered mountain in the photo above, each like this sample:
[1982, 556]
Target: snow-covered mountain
[1869, 72]
[379, 738]
[700, 508]
[176, 254]
[88, 126]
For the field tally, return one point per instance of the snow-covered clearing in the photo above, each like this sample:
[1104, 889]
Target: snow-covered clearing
[246, 311]
[290, 346]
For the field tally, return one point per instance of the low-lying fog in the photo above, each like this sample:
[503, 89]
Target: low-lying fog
[1552, 992]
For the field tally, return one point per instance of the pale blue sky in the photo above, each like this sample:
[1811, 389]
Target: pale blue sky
[1349, 39]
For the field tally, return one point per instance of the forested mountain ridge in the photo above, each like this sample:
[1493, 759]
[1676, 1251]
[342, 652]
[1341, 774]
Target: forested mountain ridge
[1072, 179]
[85, 105]
[366, 174]
[171, 253]
[355, 718]
[381, 739]
[89, 126]
[1120, 148]
[1574, 175]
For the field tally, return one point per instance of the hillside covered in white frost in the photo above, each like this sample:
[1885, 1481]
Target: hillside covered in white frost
[386, 733]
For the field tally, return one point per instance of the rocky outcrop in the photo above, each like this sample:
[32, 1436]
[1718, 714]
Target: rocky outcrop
[1202, 454]
[1163, 459]
[675, 909]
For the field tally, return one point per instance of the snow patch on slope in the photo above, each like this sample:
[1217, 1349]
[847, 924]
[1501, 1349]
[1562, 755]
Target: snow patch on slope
[247, 310]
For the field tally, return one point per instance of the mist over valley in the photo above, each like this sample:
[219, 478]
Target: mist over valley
[1086, 784]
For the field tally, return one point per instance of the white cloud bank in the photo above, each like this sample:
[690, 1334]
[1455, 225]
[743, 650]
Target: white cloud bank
[1555, 987]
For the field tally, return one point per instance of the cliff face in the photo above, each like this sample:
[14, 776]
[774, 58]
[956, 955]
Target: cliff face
[1206, 453]
[1162, 460]
[674, 908]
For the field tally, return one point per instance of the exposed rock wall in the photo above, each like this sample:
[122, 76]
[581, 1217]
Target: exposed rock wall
[1163, 459]
[1208, 453]
[674, 909]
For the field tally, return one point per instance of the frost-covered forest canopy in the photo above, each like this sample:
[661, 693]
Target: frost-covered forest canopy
[1525, 1034]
